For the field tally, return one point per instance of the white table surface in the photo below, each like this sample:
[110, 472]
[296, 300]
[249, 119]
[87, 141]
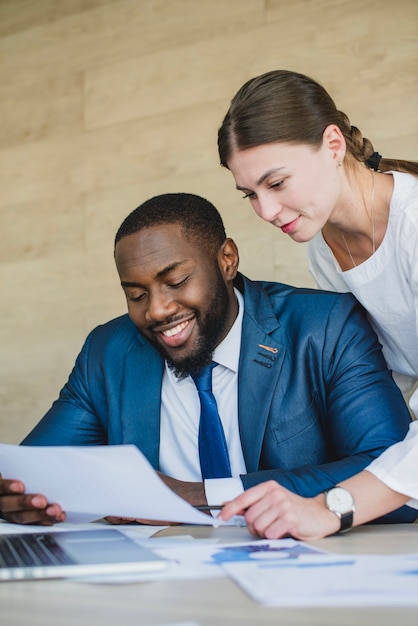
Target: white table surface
[209, 602]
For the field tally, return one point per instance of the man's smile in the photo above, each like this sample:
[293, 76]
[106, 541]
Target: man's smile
[177, 334]
[176, 329]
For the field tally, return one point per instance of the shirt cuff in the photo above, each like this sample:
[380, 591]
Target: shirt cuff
[220, 490]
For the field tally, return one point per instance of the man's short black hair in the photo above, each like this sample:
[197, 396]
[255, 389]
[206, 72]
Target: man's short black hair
[198, 218]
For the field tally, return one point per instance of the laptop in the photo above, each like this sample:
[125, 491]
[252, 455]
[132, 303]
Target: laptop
[67, 554]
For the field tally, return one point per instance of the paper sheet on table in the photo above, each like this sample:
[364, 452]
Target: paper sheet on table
[275, 575]
[142, 531]
[90, 482]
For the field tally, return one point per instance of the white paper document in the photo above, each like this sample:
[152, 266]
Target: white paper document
[142, 531]
[275, 573]
[90, 482]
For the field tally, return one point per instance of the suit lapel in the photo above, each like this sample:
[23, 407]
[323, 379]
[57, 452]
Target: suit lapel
[261, 361]
[141, 399]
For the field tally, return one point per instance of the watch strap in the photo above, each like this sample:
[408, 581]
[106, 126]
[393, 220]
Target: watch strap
[346, 521]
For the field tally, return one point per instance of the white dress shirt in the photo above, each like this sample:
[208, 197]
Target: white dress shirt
[180, 415]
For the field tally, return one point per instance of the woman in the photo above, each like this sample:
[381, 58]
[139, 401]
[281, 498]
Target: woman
[308, 171]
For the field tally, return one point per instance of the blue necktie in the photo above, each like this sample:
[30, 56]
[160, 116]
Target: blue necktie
[213, 451]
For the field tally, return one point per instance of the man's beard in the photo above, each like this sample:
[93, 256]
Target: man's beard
[211, 329]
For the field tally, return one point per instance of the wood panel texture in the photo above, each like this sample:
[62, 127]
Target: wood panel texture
[104, 103]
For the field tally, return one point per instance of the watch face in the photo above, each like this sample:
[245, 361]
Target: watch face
[339, 500]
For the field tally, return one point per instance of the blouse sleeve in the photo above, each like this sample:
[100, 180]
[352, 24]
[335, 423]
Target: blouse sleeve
[397, 467]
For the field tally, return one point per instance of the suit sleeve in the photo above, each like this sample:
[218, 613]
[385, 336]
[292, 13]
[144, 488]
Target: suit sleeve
[73, 417]
[361, 411]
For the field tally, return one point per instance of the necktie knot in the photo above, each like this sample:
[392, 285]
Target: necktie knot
[203, 378]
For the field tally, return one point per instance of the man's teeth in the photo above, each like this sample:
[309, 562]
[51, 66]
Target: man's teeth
[175, 330]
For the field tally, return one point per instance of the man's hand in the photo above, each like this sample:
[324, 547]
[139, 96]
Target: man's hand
[21, 508]
[194, 493]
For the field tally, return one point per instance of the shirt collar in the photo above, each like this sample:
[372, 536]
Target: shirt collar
[227, 353]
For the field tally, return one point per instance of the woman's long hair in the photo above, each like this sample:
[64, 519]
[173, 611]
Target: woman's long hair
[285, 106]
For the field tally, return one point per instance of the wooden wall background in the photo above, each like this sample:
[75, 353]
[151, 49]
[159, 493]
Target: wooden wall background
[104, 103]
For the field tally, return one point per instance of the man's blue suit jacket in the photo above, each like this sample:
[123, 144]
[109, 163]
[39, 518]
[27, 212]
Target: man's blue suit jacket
[316, 401]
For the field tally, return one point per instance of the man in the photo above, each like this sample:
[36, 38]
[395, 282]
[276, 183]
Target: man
[302, 389]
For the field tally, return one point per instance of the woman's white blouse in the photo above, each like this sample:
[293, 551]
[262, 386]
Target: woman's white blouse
[387, 286]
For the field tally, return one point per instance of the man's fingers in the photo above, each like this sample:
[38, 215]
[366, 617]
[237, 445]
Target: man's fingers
[11, 486]
[30, 509]
[24, 502]
[38, 518]
[19, 507]
[44, 517]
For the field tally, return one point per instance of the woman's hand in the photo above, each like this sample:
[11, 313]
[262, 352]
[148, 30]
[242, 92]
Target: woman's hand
[272, 511]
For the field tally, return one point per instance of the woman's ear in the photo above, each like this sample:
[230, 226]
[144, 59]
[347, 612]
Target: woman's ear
[228, 259]
[334, 140]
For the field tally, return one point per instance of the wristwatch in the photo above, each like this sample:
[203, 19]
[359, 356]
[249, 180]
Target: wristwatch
[340, 501]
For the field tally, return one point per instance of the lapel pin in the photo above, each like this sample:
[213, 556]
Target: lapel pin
[269, 348]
